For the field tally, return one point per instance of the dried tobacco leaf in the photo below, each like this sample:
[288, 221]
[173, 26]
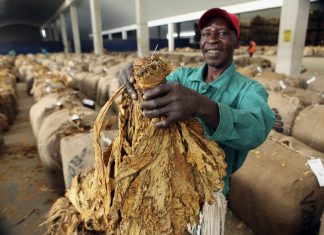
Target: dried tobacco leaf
[150, 180]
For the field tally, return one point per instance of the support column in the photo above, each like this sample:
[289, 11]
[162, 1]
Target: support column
[49, 34]
[292, 35]
[55, 33]
[96, 26]
[75, 28]
[142, 33]
[124, 35]
[170, 36]
[63, 33]
[178, 27]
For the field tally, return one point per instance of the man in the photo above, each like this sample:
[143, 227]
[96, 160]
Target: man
[232, 108]
[252, 48]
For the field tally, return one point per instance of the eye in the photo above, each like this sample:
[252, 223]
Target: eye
[205, 34]
[223, 33]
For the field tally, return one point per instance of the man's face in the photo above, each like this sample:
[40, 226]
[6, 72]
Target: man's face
[218, 42]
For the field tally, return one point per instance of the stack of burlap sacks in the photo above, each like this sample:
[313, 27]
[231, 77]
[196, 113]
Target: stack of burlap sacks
[8, 104]
[275, 192]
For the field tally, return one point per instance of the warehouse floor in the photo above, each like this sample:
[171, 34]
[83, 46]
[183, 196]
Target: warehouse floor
[26, 195]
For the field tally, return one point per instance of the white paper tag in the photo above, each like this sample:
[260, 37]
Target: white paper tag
[282, 84]
[317, 167]
[311, 80]
[75, 117]
[259, 69]
[107, 140]
[88, 102]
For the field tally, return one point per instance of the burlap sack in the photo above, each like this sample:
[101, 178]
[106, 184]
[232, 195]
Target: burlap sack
[103, 90]
[269, 84]
[313, 81]
[50, 133]
[49, 104]
[78, 155]
[249, 70]
[8, 104]
[275, 193]
[89, 84]
[319, 50]
[246, 60]
[288, 108]
[308, 51]
[295, 145]
[309, 126]
[77, 78]
[270, 75]
[113, 84]
[306, 97]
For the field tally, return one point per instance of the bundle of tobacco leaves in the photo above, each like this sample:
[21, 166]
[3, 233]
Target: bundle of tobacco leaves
[150, 180]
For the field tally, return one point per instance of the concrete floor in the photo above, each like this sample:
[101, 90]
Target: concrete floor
[26, 194]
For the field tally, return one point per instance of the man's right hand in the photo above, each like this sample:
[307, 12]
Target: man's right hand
[126, 77]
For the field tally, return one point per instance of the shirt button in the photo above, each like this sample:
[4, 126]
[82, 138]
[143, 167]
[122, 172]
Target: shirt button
[204, 89]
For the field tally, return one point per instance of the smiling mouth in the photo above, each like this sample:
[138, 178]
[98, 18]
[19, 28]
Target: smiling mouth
[212, 52]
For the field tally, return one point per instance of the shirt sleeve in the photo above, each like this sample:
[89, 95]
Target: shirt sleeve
[175, 76]
[247, 126]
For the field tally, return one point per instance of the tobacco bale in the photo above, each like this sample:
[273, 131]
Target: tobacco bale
[306, 97]
[49, 104]
[249, 70]
[109, 84]
[113, 75]
[49, 82]
[8, 105]
[55, 126]
[77, 79]
[246, 60]
[313, 81]
[103, 90]
[308, 127]
[270, 75]
[308, 51]
[275, 193]
[77, 153]
[295, 145]
[287, 107]
[89, 85]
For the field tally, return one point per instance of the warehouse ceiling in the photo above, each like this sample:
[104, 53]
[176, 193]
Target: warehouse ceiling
[27, 12]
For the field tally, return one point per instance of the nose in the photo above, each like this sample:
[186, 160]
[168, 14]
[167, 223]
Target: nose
[213, 37]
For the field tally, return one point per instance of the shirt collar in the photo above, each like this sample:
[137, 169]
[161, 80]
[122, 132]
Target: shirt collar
[224, 77]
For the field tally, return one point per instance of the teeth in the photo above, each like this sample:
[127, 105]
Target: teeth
[212, 51]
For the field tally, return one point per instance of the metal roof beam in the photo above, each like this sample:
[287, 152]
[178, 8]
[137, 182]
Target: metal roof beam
[60, 10]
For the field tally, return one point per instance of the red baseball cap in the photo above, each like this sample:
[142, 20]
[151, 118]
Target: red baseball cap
[217, 12]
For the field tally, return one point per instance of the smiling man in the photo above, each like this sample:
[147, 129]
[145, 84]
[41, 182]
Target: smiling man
[232, 108]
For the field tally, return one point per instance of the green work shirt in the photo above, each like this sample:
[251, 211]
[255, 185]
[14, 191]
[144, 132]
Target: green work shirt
[245, 117]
